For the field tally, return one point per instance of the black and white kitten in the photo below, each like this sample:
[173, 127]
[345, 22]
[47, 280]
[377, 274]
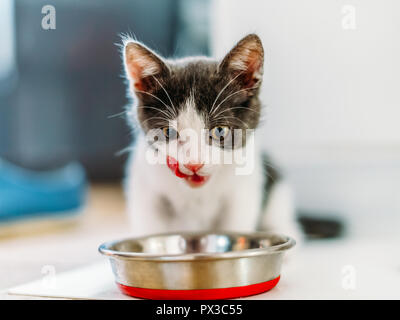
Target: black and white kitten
[185, 110]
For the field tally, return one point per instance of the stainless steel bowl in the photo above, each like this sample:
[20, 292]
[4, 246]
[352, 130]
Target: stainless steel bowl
[191, 261]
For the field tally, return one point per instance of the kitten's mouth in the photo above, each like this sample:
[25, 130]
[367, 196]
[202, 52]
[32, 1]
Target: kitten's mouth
[193, 180]
[196, 181]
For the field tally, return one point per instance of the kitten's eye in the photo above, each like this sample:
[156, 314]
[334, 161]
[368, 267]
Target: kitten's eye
[170, 133]
[219, 133]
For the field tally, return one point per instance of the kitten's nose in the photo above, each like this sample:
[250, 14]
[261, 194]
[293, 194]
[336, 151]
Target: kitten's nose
[194, 166]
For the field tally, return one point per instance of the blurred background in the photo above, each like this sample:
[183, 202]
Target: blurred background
[331, 87]
[331, 91]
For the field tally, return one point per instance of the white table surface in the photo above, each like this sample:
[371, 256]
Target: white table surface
[345, 269]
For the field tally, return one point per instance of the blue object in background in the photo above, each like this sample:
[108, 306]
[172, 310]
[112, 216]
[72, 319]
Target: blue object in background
[31, 194]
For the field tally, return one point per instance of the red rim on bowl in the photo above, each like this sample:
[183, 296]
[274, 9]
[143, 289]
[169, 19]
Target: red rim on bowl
[199, 294]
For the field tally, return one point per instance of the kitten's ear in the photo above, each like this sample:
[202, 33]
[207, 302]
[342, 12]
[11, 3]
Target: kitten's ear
[142, 66]
[245, 61]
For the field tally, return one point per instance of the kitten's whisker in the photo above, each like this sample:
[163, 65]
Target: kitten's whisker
[162, 123]
[123, 151]
[223, 89]
[222, 112]
[117, 114]
[231, 122]
[152, 95]
[166, 112]
[169, 98]
[231, 95]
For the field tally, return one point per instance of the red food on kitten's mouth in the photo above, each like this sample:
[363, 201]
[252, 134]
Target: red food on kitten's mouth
[173, 164]
[194, 180]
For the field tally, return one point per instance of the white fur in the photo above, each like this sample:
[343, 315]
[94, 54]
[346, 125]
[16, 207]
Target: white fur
[196, 209]
[237, 197]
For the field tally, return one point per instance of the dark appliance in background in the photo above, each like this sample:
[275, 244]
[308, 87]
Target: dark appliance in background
[68, 81]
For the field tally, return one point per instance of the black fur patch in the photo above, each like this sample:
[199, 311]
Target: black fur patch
[201, 80]
[222, 94]
[271, 177]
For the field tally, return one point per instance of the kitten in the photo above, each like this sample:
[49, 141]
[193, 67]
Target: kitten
[187, 109]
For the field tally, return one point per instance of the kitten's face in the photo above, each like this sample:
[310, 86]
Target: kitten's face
[196, 110]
